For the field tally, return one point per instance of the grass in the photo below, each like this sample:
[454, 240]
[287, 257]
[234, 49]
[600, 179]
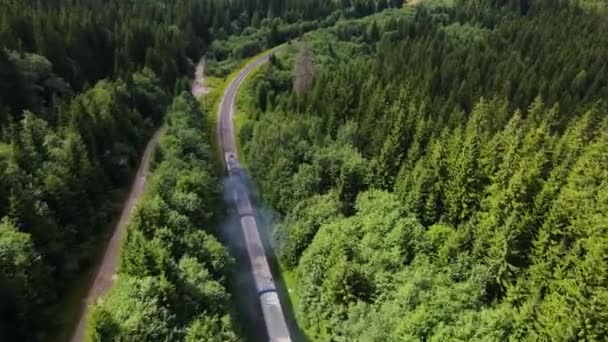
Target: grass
[289, 277]
[243, 108]
[240, 119]
[210, 103]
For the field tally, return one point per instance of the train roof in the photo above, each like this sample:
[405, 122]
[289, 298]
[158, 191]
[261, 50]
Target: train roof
[231, 162]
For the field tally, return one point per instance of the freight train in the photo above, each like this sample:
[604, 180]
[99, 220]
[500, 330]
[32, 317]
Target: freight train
[274, 319]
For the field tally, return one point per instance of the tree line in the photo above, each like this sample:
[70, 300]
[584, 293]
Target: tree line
[443, 177]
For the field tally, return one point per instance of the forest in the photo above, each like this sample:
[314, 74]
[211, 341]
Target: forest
[173, 271]
[83, 84]
[440, 172]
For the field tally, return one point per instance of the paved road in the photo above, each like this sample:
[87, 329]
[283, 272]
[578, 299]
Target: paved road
[106, 273]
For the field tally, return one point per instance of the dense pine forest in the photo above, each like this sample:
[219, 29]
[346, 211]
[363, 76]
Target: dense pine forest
[441, 172]
[439, 169]
[83, 84]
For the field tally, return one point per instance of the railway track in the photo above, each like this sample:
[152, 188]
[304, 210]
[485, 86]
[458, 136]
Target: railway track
[266, 289]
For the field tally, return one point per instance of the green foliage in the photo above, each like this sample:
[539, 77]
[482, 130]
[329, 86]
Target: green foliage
[301, 226]
[483, 127]
[211, 329]
[200, 292]
[134, 311]
[169, 243]
[82, 85]
[355, 259]
[21, 277]
[148, 96]
[60, 167]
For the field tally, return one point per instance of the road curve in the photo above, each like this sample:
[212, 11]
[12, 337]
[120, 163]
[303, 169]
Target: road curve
[265, 287]
[105, 274]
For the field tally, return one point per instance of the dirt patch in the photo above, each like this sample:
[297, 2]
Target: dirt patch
[198, 85]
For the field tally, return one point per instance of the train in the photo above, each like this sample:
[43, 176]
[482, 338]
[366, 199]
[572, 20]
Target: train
[272, 311]
[232, 164]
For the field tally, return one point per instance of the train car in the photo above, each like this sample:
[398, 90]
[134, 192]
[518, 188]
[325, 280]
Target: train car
[243, 205]
[276, 325]
[274, 318]
[232, 165]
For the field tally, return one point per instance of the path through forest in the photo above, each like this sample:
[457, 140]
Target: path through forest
[106, 272]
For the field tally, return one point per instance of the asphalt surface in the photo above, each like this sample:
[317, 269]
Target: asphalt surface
[106, 272]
